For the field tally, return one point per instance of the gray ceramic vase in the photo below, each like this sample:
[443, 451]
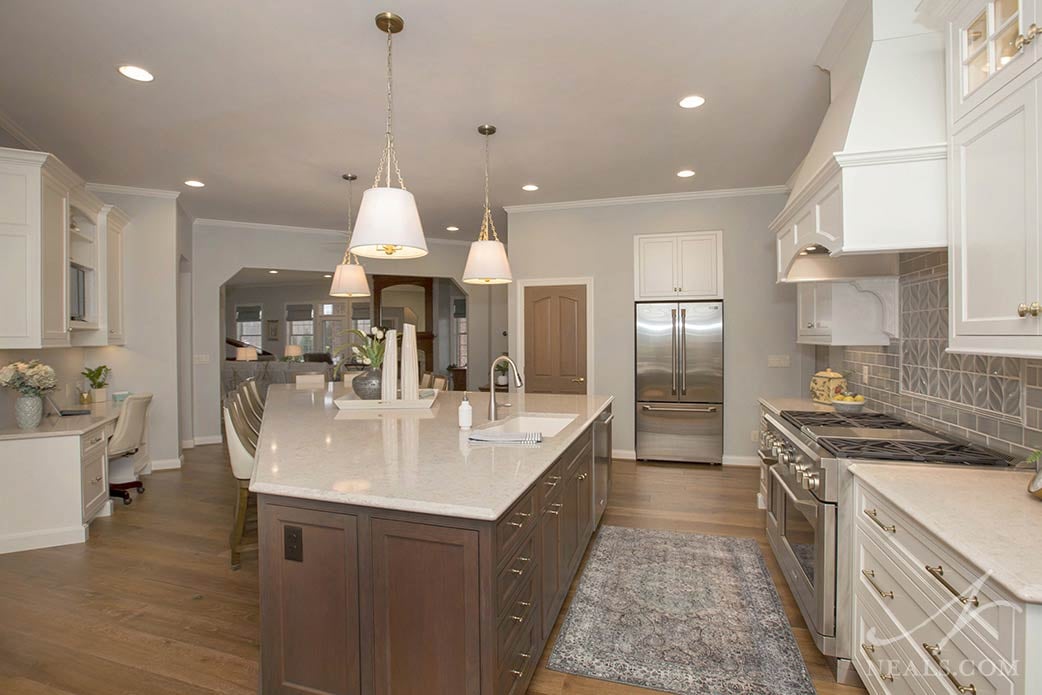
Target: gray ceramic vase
[27, 411]
[368, 384]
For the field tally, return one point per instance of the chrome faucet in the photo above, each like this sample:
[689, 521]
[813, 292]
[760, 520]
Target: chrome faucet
[492, 383]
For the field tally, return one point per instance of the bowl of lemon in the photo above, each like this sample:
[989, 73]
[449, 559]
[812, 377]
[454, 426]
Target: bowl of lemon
[848, 403]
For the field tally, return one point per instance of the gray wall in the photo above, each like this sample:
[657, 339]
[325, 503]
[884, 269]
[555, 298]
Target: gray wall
[273, 300]
[760, 315]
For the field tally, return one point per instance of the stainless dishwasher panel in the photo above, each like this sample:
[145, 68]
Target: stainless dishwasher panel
[686, 432]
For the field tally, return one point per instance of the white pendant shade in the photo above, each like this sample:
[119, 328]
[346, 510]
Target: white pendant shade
[349, 281]
[388, 225]
[487, 264]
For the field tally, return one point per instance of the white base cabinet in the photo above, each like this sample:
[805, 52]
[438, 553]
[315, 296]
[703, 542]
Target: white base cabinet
[678, 266]
[859, 312]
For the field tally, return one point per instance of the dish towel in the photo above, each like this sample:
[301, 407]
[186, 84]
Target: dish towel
[506, 437]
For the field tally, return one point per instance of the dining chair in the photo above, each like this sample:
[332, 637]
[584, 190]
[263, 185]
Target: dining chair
[426, 380]
[127, 438]
[440, 383]
[242, 451]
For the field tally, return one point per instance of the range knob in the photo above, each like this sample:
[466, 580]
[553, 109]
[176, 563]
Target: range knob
[783, 458]
[810, 481]
[796, 465]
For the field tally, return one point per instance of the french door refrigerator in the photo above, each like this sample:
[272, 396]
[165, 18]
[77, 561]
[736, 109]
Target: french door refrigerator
[680, 381]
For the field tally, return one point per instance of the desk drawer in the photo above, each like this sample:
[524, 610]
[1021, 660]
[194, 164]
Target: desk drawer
[934, 642]
[91, 440]
[94, 482]
[952, 585]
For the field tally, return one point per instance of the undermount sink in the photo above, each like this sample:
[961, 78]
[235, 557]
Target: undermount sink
[547, 424]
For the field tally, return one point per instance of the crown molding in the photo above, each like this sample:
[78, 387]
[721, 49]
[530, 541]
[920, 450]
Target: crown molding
[132, 190]
[652, 198]
[8, 124]
[290, 229]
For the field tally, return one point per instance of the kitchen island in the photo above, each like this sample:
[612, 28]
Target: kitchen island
[398, 557]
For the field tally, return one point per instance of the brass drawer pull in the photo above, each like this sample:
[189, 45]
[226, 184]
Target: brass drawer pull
[521, 618]
[874, 516]
[934, 650]
[869, 650]
[581, 476]
[938, 574]
[870, 576]
[516, 571]
[1027, 37]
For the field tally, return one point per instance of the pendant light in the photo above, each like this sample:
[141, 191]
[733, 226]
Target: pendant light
[349, 279]
[388, 221]
[487, 262]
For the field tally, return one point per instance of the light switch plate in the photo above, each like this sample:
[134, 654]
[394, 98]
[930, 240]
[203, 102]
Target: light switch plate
[779, 361]
[201, 359]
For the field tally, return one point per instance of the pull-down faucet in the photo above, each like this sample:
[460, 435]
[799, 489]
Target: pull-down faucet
[492, 382]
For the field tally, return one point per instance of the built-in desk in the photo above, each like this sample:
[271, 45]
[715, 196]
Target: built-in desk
[54, 479]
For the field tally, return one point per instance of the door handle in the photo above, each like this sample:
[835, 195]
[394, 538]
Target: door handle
[683, 352]
[661, 409]
[673, 348]
[579, 380]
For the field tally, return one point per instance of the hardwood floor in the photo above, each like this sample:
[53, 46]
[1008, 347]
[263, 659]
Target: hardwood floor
[149, 604]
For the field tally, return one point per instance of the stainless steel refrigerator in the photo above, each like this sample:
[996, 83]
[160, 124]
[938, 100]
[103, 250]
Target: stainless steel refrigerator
[680, 381]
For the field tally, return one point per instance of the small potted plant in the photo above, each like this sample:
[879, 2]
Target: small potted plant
[31, 380]
[368, 349]
[501, 374]
[99, 380]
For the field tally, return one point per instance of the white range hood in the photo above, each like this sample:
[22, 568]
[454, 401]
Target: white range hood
[873, 183]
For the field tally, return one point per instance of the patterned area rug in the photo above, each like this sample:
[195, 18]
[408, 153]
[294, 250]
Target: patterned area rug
[683, 613]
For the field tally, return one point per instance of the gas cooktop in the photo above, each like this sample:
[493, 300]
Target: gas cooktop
[811, 418]
[920, 451]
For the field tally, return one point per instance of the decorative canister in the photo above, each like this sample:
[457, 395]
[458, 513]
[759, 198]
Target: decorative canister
[826, 385]
[27, 411]
[368, 384]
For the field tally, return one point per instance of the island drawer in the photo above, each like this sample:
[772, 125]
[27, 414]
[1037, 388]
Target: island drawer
[521, 566]
[516, 669]
[515, 525]
[521, 612]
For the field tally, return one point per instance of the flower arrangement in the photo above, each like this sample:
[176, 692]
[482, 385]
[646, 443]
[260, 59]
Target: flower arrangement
[370, 348]
[31, 378]
[98, 376]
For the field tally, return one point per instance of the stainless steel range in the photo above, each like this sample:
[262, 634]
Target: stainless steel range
[808, 520]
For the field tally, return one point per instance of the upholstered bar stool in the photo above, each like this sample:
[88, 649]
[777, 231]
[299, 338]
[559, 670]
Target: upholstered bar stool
[242, 450]
[249, 414]
[254, 395]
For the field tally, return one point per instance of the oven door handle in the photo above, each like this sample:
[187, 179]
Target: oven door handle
[811, 504]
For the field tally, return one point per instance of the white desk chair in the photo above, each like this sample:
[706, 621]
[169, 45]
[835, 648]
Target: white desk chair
[241, 453]
[127, 438]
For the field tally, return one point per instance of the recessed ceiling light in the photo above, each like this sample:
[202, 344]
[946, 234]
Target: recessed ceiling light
[135, 73]
[530, 187]
[452, 228]
[274, 272]
[685, 173]
[194, 184]
[327, 275]
[692, 102]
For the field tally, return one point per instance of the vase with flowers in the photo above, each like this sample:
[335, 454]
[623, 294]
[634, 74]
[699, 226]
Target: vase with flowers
[368, 350]
[31, 380]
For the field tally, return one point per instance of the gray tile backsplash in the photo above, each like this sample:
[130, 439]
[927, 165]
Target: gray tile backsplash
[993, 401]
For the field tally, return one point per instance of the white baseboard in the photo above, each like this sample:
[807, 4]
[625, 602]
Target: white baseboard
[45, 538]
[730, 460]
[187, 443]
[627, 454]
[208, 439]
[166, 464]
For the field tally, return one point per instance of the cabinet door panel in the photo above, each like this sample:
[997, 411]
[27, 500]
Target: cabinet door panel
[823, 308]
[95, 488]
[995, 233]
[549, 564]
[569, 532]
[805, 307]
[54, 231]
[656, 270]
[698, 270]
[585, 505]
[114, 275]
[311, 636]
[425, 609]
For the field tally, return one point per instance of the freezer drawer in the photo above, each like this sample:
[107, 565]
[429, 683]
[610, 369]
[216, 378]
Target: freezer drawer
[687, 432]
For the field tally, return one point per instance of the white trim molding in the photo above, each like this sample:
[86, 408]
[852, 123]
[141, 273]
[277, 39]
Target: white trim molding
[651, 198]
[732, 460]
[624, 454]
[132, 190]
[16, 131]
[167, 464]
[209, 439]
[519, 320]
[43, 538]
[291, 229]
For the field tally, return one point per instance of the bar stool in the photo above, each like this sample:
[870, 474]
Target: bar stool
[242, 450]
[243, 400]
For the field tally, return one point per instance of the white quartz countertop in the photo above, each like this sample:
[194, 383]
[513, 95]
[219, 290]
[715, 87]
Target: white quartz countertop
[776, 405]
[72, 425]
[416, 461]
[987, 516]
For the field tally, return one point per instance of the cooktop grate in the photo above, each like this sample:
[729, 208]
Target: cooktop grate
[924, 452]
[811, 418]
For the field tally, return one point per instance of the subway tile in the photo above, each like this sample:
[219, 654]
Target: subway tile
[1011, 433]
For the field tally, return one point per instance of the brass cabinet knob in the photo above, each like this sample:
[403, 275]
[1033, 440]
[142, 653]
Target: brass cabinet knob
[579, 380]
[1035, 308]
[1027, 37]
[1022, 310]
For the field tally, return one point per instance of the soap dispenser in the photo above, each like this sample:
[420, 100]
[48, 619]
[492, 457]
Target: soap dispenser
[466, 413]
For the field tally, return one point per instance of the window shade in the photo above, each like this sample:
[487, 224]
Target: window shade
[360, 311]
[247, 313]
[299, 312]
[459, 309]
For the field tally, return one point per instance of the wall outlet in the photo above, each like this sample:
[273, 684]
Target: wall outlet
[779, 361]
[864, 372]
[201, 359]
[754, 436]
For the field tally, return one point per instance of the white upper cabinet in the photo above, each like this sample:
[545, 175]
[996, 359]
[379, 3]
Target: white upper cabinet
[688, 265]
[858, 312]
[115, 224]
[52, 255]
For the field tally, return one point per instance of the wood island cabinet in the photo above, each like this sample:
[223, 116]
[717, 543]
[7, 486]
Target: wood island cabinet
[367, 600]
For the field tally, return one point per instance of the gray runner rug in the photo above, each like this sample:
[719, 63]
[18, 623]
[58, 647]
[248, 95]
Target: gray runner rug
[680, 612]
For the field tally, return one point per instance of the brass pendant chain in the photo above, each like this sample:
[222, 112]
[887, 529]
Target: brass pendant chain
[486, 221]
[350, 201]
[389, 157]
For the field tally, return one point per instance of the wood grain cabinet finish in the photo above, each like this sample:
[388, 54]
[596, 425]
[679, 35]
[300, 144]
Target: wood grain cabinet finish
[396, 603]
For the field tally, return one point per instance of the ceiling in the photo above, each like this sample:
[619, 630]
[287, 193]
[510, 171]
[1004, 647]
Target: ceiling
[254, 277]
[269, 102]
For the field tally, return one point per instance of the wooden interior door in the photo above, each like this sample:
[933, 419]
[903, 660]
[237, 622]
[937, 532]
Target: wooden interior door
[555, 339]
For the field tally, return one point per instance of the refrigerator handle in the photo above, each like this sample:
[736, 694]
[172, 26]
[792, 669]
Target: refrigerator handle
[667, 409]
[683, 352]
[673, 349]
